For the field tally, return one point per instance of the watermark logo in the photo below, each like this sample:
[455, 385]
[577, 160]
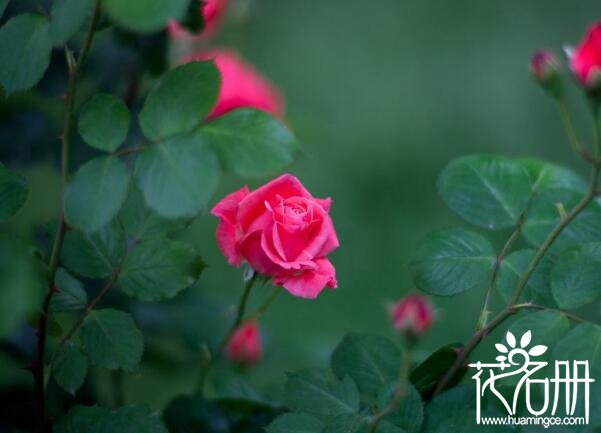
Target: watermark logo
[570, 383]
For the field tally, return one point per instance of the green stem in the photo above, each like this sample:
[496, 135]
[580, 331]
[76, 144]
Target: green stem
[259, 312]
[570, 316]
[575, 142]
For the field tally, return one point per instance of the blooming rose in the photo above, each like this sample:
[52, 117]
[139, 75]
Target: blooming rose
[241, 85]
[245, 345]
[283, 232]
[412, 315]
[586, 59]
[212, 12]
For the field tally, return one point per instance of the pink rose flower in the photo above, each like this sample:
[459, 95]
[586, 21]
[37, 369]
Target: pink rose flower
[245, 345]
[212, 12]
[412, 315]
[282, 231]
[241, 85]
[586, 59]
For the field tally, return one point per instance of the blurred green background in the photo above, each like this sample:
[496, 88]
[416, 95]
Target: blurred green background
[382, 95]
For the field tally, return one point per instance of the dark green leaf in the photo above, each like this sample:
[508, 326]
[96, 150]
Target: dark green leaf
[141, 223]
[371, 361]
[537, 289]
[576, 278]
[295, 423]
[319, 393]
[67, 17]
[94, 255]
[409, 412]
[178, 177]
[159, 269]
[180, 100]
[145, 15]
[104, 122]
[251, 142]
[71, 295]
[126, 419]
[69, 368]
[24, 52]
[3, 4]
[112, 340]
[488, 191]
[452, 261]
[426, 375]
[95, 193]
[547, 327]
[13, 192]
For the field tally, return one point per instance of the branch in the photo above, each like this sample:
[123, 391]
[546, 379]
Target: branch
[575, 142]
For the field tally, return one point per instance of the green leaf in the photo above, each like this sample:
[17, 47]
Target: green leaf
[295, 423]
[126, 419]
[319, 393]
[104, 122]
[370, 360]
[24, 52]
[94, 255]
[180, 100]
[583, 343]
[112, 340]
[537, 290]
[544, 215]
[141, 223]
[95, 193]
[3, 4]
[452, 261]
[178, 177]
[13, 192]
[159, 269]
[426, 375]
[71, 296]
[576, 278]
[66, 18]
[547, 327]
[546, 176]
[145, 15]
[488, 191]
[69, 368]
[251, 142]
[409, 412]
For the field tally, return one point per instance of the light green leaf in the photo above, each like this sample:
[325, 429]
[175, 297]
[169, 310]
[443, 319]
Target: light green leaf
[452, 261]
[178, 177]
[295, 423]
[409, 412]
[251, 142]
[95, 193]
[111, 340]
[180, 100]
[13, 192]
[319, 393]
[141, 223]
[537, 290]
[544, 216]
[24, 52]
[66, 18]
[576, 278]
[546, 176]
[145, 15]
[71, 295]
[547, 327]
[94, 255]
[370, 360]
[104, 122]
[126, 419]
[159, 269]
[69, 368]
[488, 191]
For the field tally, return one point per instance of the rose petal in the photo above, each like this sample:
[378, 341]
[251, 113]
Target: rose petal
[226, 232]
[309, 283]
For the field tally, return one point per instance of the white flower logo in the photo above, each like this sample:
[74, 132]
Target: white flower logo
[512, 343]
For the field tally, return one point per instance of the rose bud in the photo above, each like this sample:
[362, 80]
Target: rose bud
[544, 67]
[412, 315]
[282, 232]
[241, 85]
[244, 347]
[585, 59]
[212, 12]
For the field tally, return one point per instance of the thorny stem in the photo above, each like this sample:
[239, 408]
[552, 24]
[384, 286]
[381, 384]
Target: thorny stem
[41, 423]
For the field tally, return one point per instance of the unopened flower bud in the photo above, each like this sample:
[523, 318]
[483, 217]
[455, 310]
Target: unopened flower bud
[544, 67]
[412, 315]
[244, 347]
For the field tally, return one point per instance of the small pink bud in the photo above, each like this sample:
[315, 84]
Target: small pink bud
[412, 315]
[245, 345]
[544, 67]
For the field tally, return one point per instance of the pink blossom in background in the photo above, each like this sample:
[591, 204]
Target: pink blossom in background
[244, 346]
[213, 12]
[241, 85]
[585, 61]
[412, 315]
[283, 232]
